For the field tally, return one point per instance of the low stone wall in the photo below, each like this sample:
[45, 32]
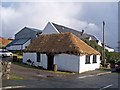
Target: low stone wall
[5, 71]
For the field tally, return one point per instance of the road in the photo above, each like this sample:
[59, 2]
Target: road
[100, 80]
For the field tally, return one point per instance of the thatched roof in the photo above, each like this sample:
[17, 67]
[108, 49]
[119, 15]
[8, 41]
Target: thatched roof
[60, 43]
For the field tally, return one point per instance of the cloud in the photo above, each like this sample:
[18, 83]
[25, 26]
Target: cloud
[37, 15]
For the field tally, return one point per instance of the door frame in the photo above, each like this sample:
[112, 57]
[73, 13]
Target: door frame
[50, 61]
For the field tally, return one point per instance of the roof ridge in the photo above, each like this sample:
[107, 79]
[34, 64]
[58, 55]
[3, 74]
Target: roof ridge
[66, 27]
[61, 43]
[78, 33]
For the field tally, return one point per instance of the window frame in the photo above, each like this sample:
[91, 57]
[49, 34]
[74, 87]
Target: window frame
[87, 59]
[94, 58]
[38, 57]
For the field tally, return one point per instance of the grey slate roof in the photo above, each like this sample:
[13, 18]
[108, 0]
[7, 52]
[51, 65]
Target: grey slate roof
[36, 30]
[18, 42]
[79, 34]
[32, 29]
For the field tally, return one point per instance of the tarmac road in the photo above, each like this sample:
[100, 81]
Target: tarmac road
[100, 80]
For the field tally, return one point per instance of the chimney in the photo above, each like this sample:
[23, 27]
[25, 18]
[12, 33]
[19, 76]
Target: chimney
[82, 32]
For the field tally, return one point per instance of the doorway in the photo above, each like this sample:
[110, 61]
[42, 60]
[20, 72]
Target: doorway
[50, 59]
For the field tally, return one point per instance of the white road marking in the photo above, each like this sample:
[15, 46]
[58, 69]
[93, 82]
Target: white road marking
[106, 87]
[42, 75]
[86, 76]
[102, 73]
[82, 77]
[10, 87]
[93, 75]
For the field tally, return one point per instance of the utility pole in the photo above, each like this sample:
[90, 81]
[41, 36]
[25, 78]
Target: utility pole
[103, 53]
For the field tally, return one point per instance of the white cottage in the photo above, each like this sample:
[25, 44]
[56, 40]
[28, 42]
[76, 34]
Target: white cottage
[65, 49]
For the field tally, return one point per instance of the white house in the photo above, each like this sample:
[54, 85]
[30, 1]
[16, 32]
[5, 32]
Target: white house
[51, 28]
[106, 46]
[55, 28]
[19, 44]
[23, 38]
[65, 49]
[109, 48]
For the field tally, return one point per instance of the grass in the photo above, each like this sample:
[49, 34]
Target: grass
[24, 65]
[39, 68]
[15, 77]
[61, 72]
[105, 69]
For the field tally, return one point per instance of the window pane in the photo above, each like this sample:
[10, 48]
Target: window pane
[87, 59]
[94, 59]
[38, 57]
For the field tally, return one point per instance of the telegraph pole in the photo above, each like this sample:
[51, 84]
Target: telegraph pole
[103, 54]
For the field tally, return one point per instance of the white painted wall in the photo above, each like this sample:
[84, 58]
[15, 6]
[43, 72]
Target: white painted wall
[26, 44]
[100, 43]
[50, 29]
[86, 67]
[67, 62]
[19, 47]
[8, 48]
[16, 47]
[44, 61]
[33, 57]
[109, 49]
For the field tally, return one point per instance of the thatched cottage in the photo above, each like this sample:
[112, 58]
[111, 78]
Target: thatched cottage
[65, 49]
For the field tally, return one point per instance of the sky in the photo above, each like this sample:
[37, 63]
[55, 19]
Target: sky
[77, 15]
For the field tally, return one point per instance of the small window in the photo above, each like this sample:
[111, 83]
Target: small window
[94, 59]
[87, 59]
[38, 57]
[25, 47]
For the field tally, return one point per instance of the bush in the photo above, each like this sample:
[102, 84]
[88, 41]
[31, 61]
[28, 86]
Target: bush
[113, 57]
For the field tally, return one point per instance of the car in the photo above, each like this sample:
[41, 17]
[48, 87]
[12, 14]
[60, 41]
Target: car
[5, 53]
[117, 66]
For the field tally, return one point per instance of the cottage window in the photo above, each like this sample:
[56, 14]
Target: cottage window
[87, 59]
[38, 57]
[94, 59]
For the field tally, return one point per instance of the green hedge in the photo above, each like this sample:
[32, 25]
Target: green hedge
[111, 57]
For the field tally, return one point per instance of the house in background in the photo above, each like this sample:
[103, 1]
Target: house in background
[110, 49]
[23, 38]
[65, 49]
[4, 42]
[55, 28]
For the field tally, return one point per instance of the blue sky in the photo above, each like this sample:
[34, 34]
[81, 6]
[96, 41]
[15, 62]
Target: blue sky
[77, 15]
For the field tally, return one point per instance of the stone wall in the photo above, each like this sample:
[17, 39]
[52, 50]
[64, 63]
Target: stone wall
[5, 69]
